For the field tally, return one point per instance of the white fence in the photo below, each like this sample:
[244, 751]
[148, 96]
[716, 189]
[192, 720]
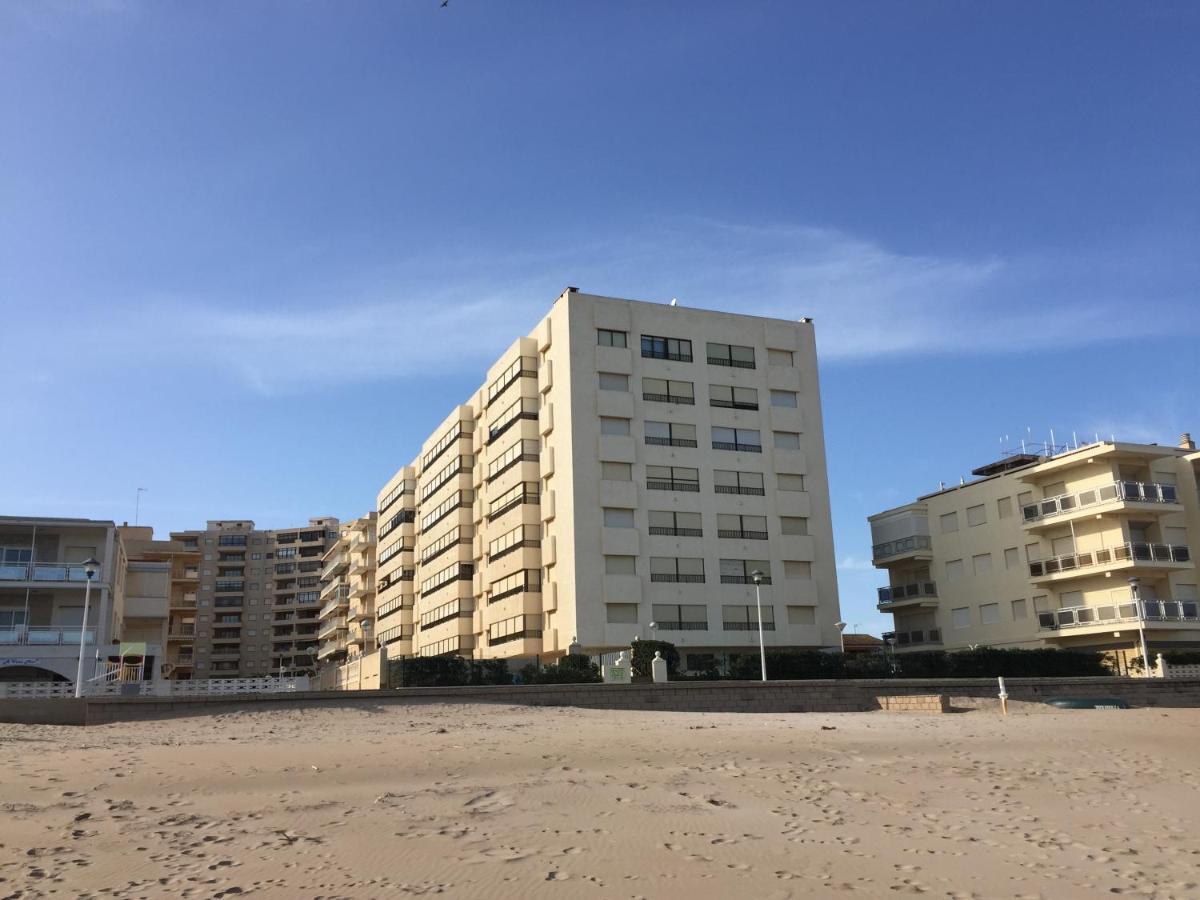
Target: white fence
[199, 687]
[1171, 670]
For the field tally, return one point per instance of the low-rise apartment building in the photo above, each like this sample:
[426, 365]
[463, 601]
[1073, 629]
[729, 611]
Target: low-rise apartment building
[1076, 548]
[42, 586]
[249, 603]
[621, 473]
[348, 593]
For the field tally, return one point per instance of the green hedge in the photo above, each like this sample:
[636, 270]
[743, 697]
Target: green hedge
[446, 671]
[571, 669]
[643, 656]
[985, 662]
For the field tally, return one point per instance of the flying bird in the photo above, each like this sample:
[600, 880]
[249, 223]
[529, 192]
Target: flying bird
[445, 3]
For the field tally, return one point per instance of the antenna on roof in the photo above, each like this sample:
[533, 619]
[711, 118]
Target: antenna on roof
[1075, 440]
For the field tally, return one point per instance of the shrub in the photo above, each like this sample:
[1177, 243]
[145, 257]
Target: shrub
[643, 655]
[446, 671]
[571, 669]
[984, 662]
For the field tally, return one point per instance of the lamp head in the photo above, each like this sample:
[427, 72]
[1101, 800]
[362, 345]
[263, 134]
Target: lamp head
[841, 626]
[756, 576]
[91, 566]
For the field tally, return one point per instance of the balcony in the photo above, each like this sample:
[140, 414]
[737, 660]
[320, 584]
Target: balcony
[741, 534]
[653, 441]
[734, 445]
[1125, 556]
[744, 579]
[669, 398]
[917, 545]
[673, 578]
[680, 626]
[670, 484]
[667, 531]
[1149, 611]
[920, 593]
[1115, 496]
[332, 627]
[44, 572]
[45, 636]
[914, 638]
[335, 566]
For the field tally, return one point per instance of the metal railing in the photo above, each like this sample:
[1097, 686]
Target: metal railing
[42, 572]
[744, 579]
[733, 445]
[44, 635]
[671, 484]
[675, 578]
[908, 638]
[668, 398]
[655, 441]
[1134, 491]
[1129, 551]
[676, 532]
[901, 545]
[897, 592]
[741, 534]
[681, 626]
[1115, 613]
[747, 626]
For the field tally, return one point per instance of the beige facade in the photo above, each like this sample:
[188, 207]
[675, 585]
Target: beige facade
[42, 585]
[249, 604]
[348, 593]
[1041, 549]
[620, 473]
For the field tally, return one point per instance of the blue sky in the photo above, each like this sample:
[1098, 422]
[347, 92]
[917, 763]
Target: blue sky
[992, 212]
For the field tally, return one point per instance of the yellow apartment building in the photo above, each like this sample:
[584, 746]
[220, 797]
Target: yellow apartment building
[348, 593]
[1074, 548]
[621, 473]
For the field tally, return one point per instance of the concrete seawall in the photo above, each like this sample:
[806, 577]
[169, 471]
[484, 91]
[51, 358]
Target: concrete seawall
[712, 696]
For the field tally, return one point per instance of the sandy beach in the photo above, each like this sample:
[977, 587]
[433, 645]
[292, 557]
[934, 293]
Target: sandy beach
[481, 802]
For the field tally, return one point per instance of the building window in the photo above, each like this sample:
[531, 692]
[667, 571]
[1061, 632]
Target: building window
[621, 613]
[663, 390]
[741, 571]
[672, 478]
[616, 471]
[793, 525]
[750, 528]
[789, 482]
[731, 355]
[960, 617]
[681, 570]
[976, 515]
[680, 617]
[954, 569]
[612, 425]
[726, 481]
[525, 581]
[989, 614]
[746, 440]
[802, 615]
[745, 617]
[677, 349]
[613, 381]
[787, 440]
[620, 565]
[785, 399]
[606, 337]
[982, 563]
[618, 518]
[675, 524]
[670, 434]
[797, 568]
[1019, 610]
[1004, 507]
[780, 357]
[729, 397]
[1012, 558]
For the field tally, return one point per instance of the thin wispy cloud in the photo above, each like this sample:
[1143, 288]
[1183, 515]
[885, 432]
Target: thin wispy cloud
[457, 314]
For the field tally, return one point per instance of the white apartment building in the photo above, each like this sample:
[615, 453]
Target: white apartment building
[1075, 548]
[620, 473]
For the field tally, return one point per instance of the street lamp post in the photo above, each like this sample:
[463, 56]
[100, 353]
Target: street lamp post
[1134, 590]
[90, 566]
[841, 627]
[762, 648]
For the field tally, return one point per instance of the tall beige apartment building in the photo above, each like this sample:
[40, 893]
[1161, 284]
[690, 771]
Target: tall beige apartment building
[348, 593]
[620, 473]
[1077, 548]
[247, 601]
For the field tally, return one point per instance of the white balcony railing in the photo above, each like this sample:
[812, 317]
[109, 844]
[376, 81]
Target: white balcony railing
[44, 635]
[915, 543]
[1132, 491]
[1131, 551]
[42, 572]
[1117, 613]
